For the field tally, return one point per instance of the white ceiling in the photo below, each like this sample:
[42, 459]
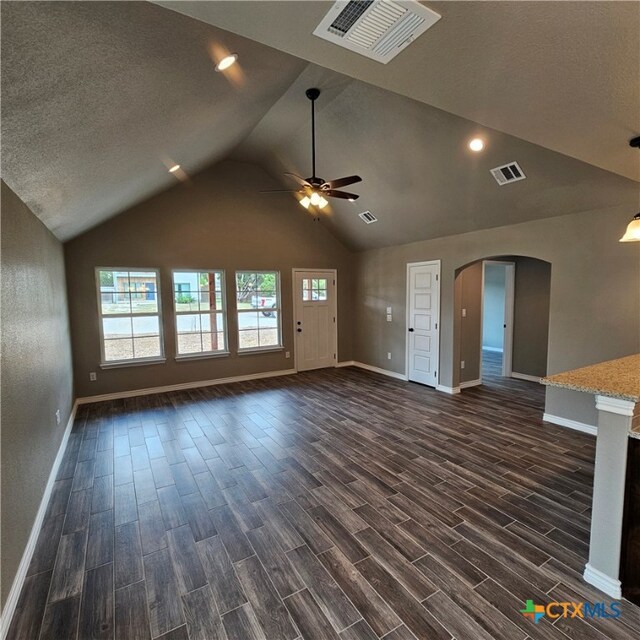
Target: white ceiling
[563, 75]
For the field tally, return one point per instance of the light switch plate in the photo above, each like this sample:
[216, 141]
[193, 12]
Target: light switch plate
[388, 311]
[389, 318]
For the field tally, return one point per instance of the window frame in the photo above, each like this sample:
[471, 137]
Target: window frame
[277, 309]
[131, 362]
[202, 354]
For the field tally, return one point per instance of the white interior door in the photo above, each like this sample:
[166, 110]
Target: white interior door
[423, 290]
[315, 320]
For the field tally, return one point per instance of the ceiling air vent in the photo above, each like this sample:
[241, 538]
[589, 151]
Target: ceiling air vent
[508, 173]
[378, 29]
[368, 217]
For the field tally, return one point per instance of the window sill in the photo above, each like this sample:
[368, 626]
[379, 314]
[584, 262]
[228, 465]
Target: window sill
[253, 351]
[119, 364]
[202, 356]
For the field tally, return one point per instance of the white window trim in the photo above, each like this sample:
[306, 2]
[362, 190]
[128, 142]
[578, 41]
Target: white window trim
[112, 364]
[278, 309]
[223, 286]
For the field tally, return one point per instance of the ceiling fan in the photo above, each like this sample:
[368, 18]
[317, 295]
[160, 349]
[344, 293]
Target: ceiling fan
[315, 190]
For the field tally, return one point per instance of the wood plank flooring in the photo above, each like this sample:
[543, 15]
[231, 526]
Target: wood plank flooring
[335, 504]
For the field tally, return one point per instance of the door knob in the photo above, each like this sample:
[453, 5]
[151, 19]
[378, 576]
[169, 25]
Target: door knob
[411, 330]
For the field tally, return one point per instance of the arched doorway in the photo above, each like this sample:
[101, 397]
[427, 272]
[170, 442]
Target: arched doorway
[501, 322]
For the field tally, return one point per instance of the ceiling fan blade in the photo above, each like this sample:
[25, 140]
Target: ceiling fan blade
[297, 178]
[332, 193]
[342, 182]
[281, 191]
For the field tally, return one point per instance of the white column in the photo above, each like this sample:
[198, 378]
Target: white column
[614, 424]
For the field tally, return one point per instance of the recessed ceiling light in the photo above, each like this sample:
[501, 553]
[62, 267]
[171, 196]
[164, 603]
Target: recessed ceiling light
[174, 168]
[226, 62]
[476, 144]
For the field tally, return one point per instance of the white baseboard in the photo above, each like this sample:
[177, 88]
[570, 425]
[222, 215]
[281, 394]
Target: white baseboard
[450, 390]
[611, 586]
[23, 567]
[525, 376]
[571, 424]
[470, 383]
[184, 385]
[370, 367]
[494, 349]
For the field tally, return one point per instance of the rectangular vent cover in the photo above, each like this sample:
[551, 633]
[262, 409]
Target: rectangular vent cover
[368, 217]
[378, 29]
[508, 173]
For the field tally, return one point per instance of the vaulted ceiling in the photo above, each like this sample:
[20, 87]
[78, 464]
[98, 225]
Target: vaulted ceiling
[99, 99]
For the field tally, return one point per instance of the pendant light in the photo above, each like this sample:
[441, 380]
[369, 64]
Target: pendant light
[632, 233]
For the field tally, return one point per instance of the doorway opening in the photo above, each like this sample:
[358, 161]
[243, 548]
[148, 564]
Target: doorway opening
[501, 324]
[498, 283]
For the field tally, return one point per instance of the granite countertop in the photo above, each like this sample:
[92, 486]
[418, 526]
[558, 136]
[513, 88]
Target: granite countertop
[615, 378]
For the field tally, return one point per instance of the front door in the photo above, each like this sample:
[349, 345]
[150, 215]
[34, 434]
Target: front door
[315, 319]
[423, 331]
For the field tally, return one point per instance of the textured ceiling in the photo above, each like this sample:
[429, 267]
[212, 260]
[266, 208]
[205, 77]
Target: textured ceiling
[97, 97]
[419, 178]
[564, 75]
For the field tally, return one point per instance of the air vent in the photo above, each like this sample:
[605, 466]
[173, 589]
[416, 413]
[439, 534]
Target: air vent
[368, 217]
[378, 29]
[508, 173]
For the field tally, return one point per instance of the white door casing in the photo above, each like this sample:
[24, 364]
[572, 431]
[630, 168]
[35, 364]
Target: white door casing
[315, 319]
[423, 322]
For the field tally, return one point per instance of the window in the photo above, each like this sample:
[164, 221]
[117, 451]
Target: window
[258, 304]
[198, 298]
[314, 289]
[129, 303]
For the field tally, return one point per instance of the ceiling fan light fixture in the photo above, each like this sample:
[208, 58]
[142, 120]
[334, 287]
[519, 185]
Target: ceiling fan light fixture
[322, 203]
[306, 202]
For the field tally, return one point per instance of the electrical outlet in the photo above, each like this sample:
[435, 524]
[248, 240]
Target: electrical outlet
[287, 354]
[388, 311]
[464, 313]
[462, 364]
[389, 355]
[92, 376]
[389, 317]
[58, 416]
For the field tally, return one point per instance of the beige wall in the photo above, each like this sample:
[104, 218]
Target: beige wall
[36, 371]
[531, 316]
[594, 304]
[221, 221]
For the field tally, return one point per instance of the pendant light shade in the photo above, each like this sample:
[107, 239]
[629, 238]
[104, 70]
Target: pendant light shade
[633, 230]
[632, 233]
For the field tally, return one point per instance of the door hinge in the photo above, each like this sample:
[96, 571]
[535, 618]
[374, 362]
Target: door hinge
[334, 318]
[334, 283]
[435, 373]
[437, 277]
[436, 325]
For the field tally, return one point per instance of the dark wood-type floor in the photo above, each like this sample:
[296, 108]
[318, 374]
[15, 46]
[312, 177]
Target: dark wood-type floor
[332, 504]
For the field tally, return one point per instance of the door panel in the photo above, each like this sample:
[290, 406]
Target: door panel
[424, 339]
[315, 319]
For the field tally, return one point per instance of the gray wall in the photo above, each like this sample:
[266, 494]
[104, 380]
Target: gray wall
[594, 304]
[531, 316]
[36, 371]
[493, 307]
[217, 221]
